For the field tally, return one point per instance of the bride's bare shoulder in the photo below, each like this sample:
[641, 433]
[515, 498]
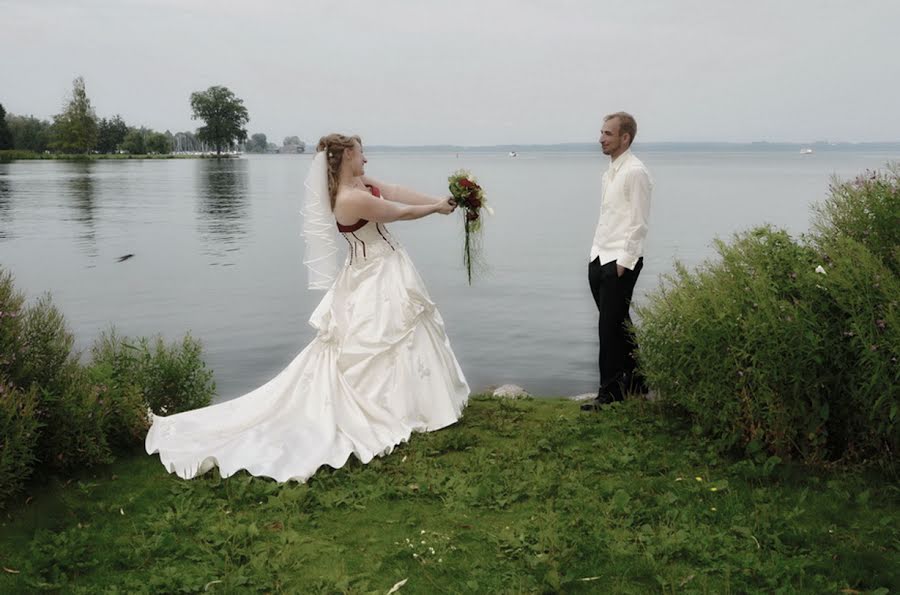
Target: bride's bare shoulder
[350, 204]
[351, 195]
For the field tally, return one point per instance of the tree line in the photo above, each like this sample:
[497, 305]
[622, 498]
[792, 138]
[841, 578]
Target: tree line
[78, 130]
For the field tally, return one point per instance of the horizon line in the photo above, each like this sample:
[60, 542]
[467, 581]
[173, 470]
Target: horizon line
[818, 143]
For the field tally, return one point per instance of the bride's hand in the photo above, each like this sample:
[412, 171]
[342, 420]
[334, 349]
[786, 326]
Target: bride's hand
[446, 206]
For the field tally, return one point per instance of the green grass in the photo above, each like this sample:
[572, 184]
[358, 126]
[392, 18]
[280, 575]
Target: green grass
[520, 496]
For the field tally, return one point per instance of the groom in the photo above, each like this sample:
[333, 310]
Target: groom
[617, 258]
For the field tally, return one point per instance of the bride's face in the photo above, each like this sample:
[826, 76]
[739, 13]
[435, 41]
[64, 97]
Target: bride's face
[355, 160]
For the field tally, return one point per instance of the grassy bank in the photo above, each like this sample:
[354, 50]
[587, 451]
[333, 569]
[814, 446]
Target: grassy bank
[524, 496]
[14, 155]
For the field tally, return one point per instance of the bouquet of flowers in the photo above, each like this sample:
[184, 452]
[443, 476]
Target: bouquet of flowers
[469, 196]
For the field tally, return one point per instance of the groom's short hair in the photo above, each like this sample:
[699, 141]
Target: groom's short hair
[627, 124]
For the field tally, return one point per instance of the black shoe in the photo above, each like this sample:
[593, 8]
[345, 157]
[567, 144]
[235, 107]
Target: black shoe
[602, 398]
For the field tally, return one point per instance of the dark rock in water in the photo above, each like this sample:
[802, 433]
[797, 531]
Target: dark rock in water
[124, 258]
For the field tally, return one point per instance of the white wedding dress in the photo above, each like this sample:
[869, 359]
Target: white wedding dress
[380, 368]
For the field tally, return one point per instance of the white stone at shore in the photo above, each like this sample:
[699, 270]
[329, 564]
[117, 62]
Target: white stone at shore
[514, 391]
[510, 391]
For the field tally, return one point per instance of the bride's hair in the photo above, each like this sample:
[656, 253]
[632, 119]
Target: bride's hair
[334, 145]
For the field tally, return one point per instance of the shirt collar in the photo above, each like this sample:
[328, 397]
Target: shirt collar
[619, 161]
[617, 164]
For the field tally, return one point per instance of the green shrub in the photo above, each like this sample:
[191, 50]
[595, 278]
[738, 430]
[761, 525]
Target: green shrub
[57, 415]
[863, 319]
[47, 354]
[114, 373]
[172, 378]
[737, 344]
[175, 378]
[790, 346]
[866, 210]
[18, 437]
[72, 436]
[72, 428]
[12, 337]
[125, 413]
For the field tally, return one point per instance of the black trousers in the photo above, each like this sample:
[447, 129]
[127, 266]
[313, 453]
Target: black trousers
[612, 294]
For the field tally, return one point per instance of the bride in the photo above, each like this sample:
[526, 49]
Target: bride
[379, 368]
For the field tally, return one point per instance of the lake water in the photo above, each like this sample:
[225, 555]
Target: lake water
[217, 249]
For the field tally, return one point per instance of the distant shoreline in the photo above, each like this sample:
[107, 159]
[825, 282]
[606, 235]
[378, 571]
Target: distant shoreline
[649, 146]
[687, 147]
[16, 155]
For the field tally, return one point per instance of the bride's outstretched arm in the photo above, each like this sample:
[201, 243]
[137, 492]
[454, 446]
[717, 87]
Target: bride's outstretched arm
[396, 193]
[358, 204]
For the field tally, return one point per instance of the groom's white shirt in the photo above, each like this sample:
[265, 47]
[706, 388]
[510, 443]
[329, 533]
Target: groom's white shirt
[624, 212]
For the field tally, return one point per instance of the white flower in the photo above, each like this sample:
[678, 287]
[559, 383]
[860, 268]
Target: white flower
[489, 210]
[821, 270]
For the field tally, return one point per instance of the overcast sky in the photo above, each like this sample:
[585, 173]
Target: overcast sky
[470, 72]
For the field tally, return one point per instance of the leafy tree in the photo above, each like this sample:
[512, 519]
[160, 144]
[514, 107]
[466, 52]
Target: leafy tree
[257, 143]
[29, 133]
[6, 138]
[75, 129]
[294, 141]
[110, 134]
[134, 141]
[157, 142]
[224, 115]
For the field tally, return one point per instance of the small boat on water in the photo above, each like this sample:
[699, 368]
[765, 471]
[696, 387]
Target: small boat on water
[513, 154]
[806, 151]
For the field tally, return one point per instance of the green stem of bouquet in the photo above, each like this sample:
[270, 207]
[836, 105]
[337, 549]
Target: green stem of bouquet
[467, 254]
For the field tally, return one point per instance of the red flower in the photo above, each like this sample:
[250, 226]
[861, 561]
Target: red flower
[471, 215]
[466, 183]
[474, 203]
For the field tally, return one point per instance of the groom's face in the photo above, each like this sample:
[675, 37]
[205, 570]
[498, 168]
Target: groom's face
[611, 137]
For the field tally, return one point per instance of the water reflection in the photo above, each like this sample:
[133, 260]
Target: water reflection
[222, 204]
[82, 192]
[5, 204]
